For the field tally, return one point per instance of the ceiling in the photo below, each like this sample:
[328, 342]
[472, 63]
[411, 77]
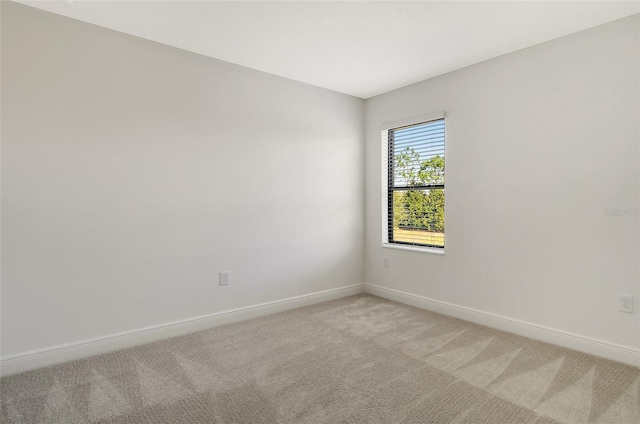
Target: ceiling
[361, 48]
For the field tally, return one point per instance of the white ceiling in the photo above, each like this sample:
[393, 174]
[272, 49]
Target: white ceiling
[361, 48]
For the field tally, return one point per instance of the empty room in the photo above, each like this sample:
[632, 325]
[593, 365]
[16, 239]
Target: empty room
[320, 212]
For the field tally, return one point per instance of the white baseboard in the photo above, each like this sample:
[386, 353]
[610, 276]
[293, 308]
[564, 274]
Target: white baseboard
[26, 361]
[621, 353]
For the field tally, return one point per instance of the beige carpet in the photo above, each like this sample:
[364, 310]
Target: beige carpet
[360, 359]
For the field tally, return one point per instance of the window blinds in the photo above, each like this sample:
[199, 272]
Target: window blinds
[415, 184]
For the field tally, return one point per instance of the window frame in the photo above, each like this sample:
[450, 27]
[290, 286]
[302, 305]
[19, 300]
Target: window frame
[388, 188]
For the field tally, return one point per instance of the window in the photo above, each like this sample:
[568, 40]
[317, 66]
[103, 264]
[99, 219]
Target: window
[413, 184]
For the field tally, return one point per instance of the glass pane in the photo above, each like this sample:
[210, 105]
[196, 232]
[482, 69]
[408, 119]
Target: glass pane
[418, 217]
[418, 153]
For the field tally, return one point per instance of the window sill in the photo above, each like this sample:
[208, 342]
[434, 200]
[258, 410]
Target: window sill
[420, 249]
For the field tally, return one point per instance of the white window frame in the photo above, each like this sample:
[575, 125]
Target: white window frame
[384, 136]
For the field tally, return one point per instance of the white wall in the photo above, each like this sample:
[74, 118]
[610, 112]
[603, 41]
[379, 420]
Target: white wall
[539, 143]
[133, 172]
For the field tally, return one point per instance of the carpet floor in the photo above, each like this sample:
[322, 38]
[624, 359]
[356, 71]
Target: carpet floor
[359, 359]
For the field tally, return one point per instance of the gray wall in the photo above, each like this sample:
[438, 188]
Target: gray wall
[133, 172]
[539, 143]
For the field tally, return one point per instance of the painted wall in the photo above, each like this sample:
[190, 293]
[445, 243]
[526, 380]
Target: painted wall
[540, 143]
[132, 173]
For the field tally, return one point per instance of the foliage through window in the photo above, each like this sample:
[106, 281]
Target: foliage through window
[415, 184]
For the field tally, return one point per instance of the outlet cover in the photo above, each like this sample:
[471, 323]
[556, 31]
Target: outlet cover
[626, 303]
[224, 278]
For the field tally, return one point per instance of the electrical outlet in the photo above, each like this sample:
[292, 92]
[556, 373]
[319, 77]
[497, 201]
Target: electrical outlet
[224, 278]
[385, 262]
[626, 303]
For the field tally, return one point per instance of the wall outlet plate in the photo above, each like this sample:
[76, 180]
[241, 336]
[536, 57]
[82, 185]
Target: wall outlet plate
[626, 303]
[224, 277]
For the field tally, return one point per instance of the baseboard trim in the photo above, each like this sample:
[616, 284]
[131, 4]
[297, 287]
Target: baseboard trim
[34, 359]
[617, 352]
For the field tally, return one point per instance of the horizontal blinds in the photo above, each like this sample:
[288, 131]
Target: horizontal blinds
[416, 150]
[415, 186]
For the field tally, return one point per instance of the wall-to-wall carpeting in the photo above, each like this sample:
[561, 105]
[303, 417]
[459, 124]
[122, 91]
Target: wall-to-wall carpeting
[360, 359]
